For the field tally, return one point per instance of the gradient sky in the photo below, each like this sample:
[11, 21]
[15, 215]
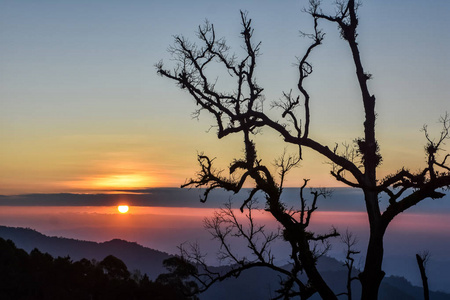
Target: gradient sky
[82, 109]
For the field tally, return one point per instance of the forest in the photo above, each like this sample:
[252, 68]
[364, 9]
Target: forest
[38, 275]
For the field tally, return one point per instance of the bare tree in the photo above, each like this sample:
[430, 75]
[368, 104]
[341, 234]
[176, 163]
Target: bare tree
[422, 260]
[225, 225]
[350, 241]
[241, 111]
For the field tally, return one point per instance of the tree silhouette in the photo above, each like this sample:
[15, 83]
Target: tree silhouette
[305, 244]
[350, 241]
[114, 268]
[178, 277]
[241, 110]
[40, 276]
[422, 260]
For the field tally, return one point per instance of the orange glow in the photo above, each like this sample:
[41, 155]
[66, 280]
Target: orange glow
[122, 181]
[111, 183]
[123, 209]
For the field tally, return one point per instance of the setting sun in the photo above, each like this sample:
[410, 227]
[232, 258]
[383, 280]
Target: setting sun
[123, 209]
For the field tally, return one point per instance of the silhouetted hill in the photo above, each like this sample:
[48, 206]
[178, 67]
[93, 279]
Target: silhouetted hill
[438, 269]
[259, 283]
[134, 255]
[37, 275]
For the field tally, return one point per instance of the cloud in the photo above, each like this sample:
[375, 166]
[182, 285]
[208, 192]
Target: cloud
[342, 199]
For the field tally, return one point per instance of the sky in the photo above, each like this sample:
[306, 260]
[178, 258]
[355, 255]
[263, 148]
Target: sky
[83, 110]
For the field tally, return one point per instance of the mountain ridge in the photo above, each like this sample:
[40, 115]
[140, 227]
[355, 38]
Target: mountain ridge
[253, 284]
[143, 258]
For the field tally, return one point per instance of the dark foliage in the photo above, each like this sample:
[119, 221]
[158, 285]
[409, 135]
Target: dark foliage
[179, 277]
[40, 276]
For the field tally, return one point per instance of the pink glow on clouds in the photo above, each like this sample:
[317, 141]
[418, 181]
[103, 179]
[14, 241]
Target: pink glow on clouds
[165, 228]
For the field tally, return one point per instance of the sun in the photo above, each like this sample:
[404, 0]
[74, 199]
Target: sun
[123, 209]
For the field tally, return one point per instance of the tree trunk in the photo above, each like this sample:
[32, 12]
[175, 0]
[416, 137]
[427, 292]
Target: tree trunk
[309, 265]
[423, 275]
[372, 274]
[322, 288]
